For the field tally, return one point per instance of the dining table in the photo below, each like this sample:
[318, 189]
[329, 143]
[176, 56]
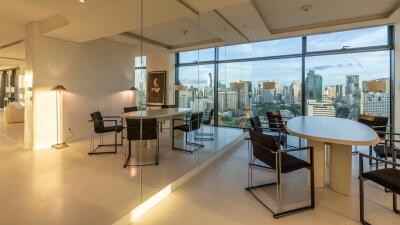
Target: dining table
[340, 135]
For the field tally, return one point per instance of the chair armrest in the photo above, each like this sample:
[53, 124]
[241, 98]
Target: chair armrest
[297, 149]
[362, 156]
[104, 120]
[388, 133]
[112, 117]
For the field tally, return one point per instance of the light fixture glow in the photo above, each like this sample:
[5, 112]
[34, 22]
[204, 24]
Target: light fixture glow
[82, 1]
[150, 203]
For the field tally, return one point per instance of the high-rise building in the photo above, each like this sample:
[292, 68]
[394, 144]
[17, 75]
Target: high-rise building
[314, 86]
[339, 92]
[209, 80]
[352, 90]
[375, 97]
[315, 108]
[294, 93]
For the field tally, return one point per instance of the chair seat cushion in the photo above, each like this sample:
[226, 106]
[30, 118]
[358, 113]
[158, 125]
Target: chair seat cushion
[380, 151]
[183, 127]
[389, 178]
[110, 129]
[291, 163]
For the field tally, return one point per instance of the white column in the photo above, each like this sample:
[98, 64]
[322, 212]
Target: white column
[32, 31]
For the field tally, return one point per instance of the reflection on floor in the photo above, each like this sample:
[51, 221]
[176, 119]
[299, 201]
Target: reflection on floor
[217, 196]
[69, 187]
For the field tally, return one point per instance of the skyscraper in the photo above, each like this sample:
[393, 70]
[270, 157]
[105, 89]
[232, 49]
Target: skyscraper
[314, 86]
[209, 80]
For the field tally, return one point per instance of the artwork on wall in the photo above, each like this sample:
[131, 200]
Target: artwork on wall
[156, 87]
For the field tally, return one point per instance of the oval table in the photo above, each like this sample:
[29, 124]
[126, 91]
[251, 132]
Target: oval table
[341, 135]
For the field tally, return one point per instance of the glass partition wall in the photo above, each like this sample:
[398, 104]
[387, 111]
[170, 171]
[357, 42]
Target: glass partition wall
[340, 74]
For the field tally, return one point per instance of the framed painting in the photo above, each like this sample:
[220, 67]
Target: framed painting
[156, 87]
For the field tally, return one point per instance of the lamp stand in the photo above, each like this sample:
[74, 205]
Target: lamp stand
[58, 145]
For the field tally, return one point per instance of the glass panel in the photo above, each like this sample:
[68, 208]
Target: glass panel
[253, 88]
[198, 94]
[348, 39]
[348, 85]
[262, 49]
[140, 85]
[139, 63]
[194, 56]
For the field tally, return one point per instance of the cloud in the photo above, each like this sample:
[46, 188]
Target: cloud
[330, 66]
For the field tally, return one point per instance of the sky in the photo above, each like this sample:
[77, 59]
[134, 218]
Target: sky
[333, 68]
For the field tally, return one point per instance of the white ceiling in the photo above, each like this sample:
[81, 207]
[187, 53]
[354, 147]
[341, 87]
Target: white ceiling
[173, 23]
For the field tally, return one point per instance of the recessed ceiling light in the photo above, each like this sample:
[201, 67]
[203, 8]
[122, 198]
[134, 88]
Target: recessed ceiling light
[82, 1]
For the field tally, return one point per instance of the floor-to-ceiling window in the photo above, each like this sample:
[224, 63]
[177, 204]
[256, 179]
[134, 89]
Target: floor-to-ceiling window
[341, 74]
[140, 80]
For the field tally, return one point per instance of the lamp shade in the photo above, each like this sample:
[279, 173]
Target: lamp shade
[59, 88]
[133, 88]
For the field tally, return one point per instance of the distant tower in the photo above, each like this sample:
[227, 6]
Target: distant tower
[209, 81]
[314, 86]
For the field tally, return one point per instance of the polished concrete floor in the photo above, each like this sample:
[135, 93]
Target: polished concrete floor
[217, 196]
[67, 186]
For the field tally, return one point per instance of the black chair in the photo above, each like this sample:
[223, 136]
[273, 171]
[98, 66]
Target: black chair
[130, 109]
[100, 128]
[380, 125]
[266, 149]
[278, 125]
[389, 178]
[139, 130]
[193, 124]
[207, 121]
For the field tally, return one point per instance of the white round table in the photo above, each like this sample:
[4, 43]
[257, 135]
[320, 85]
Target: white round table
[341, 135]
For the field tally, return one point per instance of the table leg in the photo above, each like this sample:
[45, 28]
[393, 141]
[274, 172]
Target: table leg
[319, 163]
[340, 168]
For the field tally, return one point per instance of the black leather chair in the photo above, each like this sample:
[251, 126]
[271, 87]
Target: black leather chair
[189, 126]
[277, 124]
[99, 128]
[389, 178]
[380, 125]
[266, 148]
[207, 121]
[130, 109]
[139, 130]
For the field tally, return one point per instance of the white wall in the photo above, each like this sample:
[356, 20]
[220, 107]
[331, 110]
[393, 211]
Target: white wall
[97, 76]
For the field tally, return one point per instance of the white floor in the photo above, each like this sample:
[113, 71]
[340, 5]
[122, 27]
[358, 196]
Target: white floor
[217, 196]
[67, 186]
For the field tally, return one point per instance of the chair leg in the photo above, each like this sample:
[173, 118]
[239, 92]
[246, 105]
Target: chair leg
[361, 186]
[370, 154]
[395, 204]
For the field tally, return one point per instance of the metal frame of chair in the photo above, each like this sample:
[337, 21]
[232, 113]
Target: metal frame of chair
[206, 136]
[93, 149]
[192, 126]
[278, 169]
[276, 123]
[363, 177]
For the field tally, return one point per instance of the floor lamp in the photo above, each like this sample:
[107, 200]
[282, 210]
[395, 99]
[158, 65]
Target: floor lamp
[59, 89]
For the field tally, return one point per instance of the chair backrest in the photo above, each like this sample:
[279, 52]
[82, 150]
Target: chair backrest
[275, 119]
[377, 123]
[264, 147]
[196, 120]
[141, 129]
[130, 109]
[98, 123]
[256, 123]
[168, 106]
